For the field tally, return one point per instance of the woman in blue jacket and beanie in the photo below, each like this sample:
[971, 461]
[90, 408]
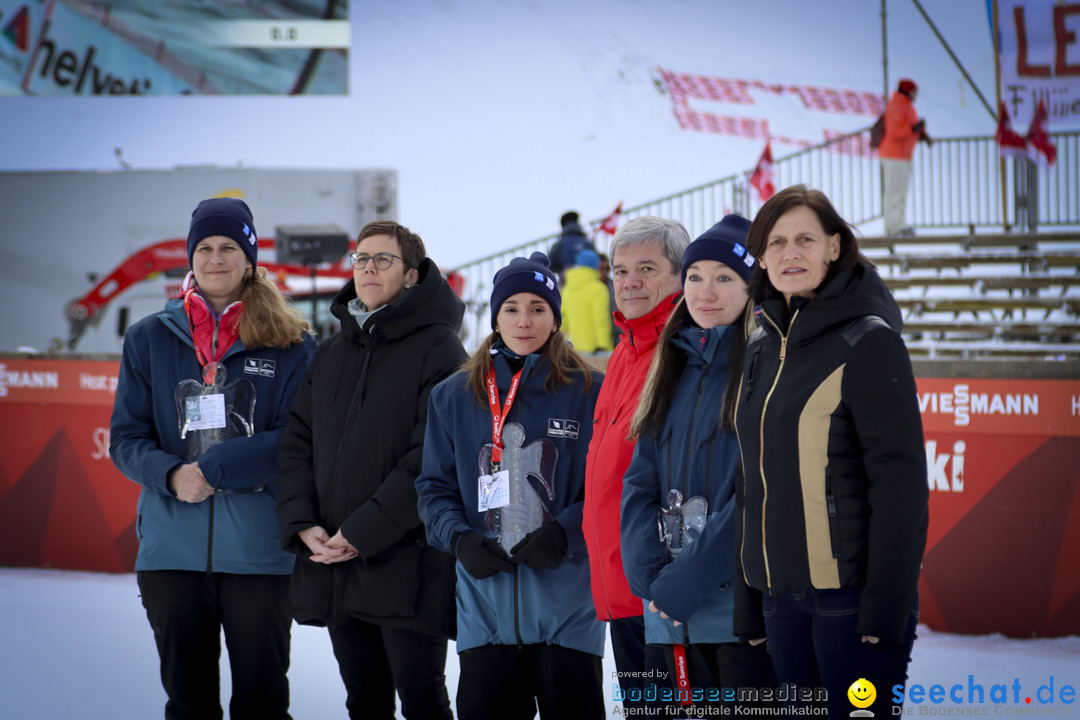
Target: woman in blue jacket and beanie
[678, 503]
[502, 489]
[203, 396]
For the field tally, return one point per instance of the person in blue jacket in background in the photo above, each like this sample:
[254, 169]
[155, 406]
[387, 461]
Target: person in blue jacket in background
[678, 503]
[202, 399]
[502, 489]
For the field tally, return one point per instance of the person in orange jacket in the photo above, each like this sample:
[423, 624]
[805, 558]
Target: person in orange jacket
[903, 129]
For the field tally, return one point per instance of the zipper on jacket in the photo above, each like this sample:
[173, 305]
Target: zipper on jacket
[750, 377]
[670, 469]
[693, 426]
[353, 403]
[834, 520]
[596, 526]
[708, 468]
[517, 616]
[761, 441]
[210, 538]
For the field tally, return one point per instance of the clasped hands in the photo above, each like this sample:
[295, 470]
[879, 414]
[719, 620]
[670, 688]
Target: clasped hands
[325, 549]
[189, 484]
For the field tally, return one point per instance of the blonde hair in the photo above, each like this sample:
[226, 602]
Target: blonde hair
[565, 363]
[269, 319]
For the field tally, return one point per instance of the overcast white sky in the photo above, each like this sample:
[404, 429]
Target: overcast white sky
[499, 116]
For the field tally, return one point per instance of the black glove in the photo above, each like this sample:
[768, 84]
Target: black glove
[542, 549]
[482, 556]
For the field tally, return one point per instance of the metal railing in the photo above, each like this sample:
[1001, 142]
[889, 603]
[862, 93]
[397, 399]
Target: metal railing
[957, 185]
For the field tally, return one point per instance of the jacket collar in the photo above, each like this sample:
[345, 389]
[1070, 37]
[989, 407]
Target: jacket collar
[640, 335]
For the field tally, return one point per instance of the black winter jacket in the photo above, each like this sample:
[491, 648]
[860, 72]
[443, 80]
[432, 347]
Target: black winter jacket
[835, 491]
[350, 456]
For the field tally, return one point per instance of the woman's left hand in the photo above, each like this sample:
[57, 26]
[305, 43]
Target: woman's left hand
[871, 639]
[338, 542]
[653, 608]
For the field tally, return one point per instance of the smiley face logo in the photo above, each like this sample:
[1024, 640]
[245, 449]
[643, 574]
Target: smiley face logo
[862, 693]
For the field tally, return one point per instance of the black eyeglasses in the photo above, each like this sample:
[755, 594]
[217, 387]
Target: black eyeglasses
[383, 260]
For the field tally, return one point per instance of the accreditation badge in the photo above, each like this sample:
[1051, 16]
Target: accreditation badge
[211, 413]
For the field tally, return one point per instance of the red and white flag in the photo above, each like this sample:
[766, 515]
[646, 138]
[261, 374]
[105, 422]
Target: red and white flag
[611, 222]
[1038, 137]
[764, 177]
[1009, 142]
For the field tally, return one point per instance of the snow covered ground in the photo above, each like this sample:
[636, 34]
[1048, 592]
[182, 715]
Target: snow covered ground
[77, 645]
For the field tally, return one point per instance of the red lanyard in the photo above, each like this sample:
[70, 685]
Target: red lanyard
[682, 678]
[497, 418]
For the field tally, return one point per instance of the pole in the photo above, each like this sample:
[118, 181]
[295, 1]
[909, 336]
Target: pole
[995, 30]
[314, 300]
[884, 53]
[963, 70]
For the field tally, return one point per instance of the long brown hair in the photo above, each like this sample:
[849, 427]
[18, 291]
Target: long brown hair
[667, 367]
[269, 319]
[760, 287]
[565, 364]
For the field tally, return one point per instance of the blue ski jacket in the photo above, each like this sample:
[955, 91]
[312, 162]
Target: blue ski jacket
[528, 606]
[234, 532]
[695, 456]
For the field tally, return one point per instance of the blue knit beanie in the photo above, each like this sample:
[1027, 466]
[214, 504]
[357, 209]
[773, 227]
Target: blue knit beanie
[532, 276]
[588, 258]
[230, 217]
[724, 242]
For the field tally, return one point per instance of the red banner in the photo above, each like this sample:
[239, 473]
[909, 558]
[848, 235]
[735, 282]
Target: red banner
[1007, 407]
[1003, 466]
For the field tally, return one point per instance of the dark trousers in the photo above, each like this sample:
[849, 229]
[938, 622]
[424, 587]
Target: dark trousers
[509, 682]
[814, 644]
[638, 666]
[189, 610]
[376, 661]
[713, 668]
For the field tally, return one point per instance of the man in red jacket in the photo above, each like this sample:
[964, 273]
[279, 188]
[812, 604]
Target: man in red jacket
[903, 129]
[646, 257]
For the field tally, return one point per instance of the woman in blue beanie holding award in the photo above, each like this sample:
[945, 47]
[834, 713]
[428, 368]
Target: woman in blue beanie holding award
[502, 489]
[678, 503]
[203, 397]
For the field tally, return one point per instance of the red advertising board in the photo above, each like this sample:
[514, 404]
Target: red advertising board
[1003, 549]
[63, 504]
[1003, 462]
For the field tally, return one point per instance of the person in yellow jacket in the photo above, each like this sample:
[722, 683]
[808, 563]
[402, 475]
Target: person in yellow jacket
[903, 129]
[586, 305]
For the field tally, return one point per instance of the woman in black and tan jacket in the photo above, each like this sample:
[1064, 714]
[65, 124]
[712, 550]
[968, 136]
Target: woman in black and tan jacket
[833, 507]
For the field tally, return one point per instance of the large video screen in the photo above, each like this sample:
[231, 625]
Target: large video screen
[180, 47]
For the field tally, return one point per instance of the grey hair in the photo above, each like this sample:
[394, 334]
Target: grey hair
[648, 229]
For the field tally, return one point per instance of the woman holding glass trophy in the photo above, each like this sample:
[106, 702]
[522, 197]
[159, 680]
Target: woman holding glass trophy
[678, 503]
[203, 396]
[502, 489]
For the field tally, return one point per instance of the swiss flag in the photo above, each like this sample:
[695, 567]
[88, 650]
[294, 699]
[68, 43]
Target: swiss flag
[611, 222]
[1010, 144]
[764, 178]
[1039, 138]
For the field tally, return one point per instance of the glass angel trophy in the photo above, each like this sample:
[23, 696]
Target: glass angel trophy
[681, 523]
[513, 506]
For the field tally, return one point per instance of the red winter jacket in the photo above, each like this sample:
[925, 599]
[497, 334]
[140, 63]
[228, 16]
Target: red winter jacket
[609, 456]
[900, 137]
